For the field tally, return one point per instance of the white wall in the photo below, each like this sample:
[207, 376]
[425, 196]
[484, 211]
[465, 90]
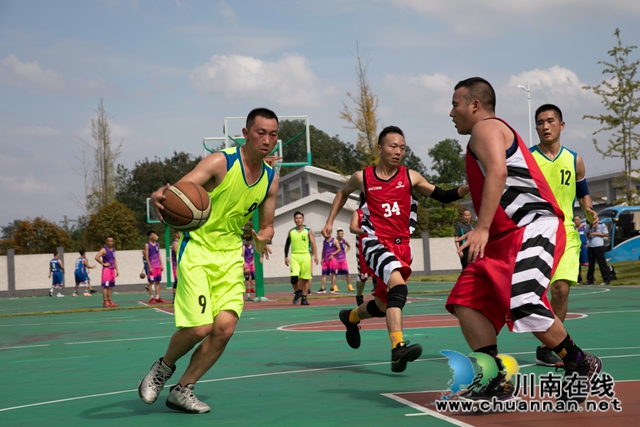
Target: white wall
[443, 254]
[4, 278]
[32, 271]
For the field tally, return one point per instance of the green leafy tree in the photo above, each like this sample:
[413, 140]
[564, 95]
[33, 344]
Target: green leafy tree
[448, 162]
[39, 236]
[76, 229]
[115, 220]
[137, 184]
[619, 95]
[328, 152]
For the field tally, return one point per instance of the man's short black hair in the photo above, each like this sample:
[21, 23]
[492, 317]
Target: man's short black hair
[260, 112]
[82, 252]
[548, 107]
[298, 213]
[109, 237]
[480, 89]
[386, 131]
[150, 232]
[55, 254]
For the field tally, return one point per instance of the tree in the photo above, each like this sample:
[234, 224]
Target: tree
[114, 220]
[135, 185]
[412, 161]
[39, 236]
[9, 229]
[619, 96]
[76, 229]
[328, 152]
[100, 177]
[363, 117]
[449, 163]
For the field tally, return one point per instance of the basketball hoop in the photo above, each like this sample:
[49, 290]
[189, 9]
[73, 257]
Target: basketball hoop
[275, 162]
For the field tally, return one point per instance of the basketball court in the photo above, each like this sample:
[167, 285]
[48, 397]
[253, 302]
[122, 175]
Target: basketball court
[66, 361]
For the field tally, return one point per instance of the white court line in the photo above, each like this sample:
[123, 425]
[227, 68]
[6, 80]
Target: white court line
[601, 291]
[425, 411]
[24, 346]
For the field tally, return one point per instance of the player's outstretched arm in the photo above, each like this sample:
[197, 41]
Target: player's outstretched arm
[427, 189]
[266, 213]
[488, 143]
[354, 183]
[209, 173]
[582, 193]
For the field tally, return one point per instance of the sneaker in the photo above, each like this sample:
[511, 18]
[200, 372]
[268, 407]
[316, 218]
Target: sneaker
[60, 295]
[353, 329]
[160, 300]
[50, 293]
[152, 301]
[546, 357]
[105, 303]
[113, 304]
[359, 299]
[350, 288]
[589, 283]
[87, 294]
[404, 353]
[304, 301]
[92, 291]
[590, 366]
[153, 383]
[296, 297]
[182, 399]
[498, 387]
[75, 294]
[321, 291]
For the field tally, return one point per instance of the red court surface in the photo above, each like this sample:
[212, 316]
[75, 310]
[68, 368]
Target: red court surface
[625, 391]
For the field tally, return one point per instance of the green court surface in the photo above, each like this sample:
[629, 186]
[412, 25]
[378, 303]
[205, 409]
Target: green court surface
[81, 368]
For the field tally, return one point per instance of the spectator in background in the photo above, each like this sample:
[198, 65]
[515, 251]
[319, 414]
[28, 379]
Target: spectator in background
[596, 251]
[584, 256]
[463, 228]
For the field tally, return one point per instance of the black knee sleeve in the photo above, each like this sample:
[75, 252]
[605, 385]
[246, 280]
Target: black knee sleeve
[374, 310]
[397, 296]
[294, 280]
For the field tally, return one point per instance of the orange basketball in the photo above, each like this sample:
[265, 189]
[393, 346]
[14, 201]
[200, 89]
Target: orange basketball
[187, 206]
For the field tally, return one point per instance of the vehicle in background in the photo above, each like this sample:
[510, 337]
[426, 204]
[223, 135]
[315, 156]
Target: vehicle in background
[623, 223]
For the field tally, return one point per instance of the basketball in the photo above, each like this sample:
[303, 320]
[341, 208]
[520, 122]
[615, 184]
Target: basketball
[186, 206]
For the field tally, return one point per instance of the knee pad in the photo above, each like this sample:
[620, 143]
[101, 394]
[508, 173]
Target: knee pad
[374, 310]
[246, 277]
[397, 296]
[294, 280]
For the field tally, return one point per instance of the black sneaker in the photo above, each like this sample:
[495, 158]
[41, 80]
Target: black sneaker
[92, 291]
[321, 291]
[590, 366]
[304, 301]
[296, 296]
[497, 387]
[353, 329]
[546, 357]
[359, 299]
[404, 353]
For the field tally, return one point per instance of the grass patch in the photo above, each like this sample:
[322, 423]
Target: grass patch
[451, 278]
[628, 273]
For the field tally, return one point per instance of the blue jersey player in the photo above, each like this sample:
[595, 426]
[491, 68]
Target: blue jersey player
[81, 275]
[55, 271]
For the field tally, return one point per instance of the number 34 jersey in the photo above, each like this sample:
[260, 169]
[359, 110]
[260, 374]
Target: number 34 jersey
[389, 210]
[232, 203]
[560, 174]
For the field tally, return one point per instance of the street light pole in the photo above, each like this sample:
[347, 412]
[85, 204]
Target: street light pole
[528, 90]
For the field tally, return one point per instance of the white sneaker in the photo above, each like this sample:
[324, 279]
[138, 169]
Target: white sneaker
[182, 399]
[60, 295]
[151, 385]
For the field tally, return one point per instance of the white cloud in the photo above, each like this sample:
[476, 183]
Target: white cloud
[36, 131]
[480, 17]
[29, 74]
[288, 81]
[226, 12]
[412, 93]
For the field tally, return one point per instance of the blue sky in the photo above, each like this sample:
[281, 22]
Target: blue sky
[169, 71]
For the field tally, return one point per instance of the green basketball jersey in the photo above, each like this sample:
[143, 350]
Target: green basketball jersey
[232, 203]
[300, 243]
[561, 177]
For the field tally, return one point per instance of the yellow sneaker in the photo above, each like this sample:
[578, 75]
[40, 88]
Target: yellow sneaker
[351, 288]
